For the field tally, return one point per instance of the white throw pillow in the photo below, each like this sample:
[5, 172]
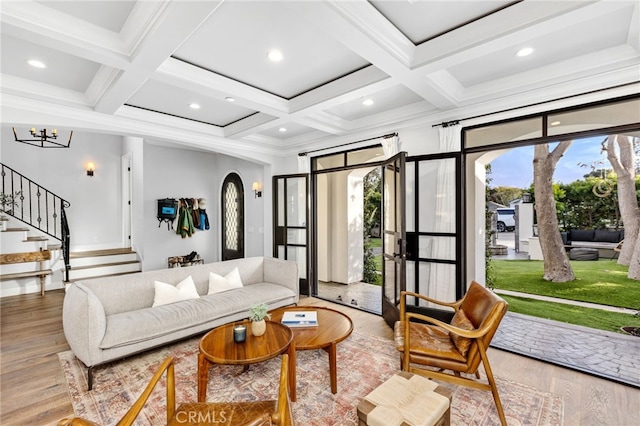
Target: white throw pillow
[218, 283]
[168, 293]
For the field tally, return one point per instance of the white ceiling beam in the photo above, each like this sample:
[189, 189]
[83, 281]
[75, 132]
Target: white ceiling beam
[366, 18]
[511, 26]
[361, 28]
[255, 123]
[633, 39]
[39, 24]
[498, 26]
[192, 78]
[24, 112]
[586, 71]
[172, 27]
[156, 118]
[18, 86]
[325, 122]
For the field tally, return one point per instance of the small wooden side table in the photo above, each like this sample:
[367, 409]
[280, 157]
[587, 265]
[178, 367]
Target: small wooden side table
[333, 327]
[218, 347]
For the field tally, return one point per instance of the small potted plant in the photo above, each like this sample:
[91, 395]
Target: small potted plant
[257, 315]
[9, 203]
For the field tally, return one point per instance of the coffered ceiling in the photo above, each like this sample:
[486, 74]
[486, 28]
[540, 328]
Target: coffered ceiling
[145, 62]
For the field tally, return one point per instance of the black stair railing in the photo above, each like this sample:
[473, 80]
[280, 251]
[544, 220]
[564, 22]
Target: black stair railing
[36, 206]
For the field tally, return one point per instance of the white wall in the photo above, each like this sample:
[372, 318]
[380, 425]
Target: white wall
[180, 173]
[257, 217]
[340, 226]
[95, 212]
[325, 206]
[95, 215]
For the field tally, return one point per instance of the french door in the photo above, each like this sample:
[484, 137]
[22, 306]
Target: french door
[291, 223]
[393, 236]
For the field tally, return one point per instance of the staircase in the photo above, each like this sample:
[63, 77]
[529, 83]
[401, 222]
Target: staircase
[37, 256]
[23, 272]
[100, 263]
[26, 201]
[29, 263]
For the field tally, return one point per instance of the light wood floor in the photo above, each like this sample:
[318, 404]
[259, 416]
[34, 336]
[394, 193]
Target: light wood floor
[33, 389]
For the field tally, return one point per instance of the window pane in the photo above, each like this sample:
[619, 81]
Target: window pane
[365, 156]
[299, 255]
[410, 269]
[437, 202]
[505, 132]
[296, 236]
[280, 208]
[231, 216]
[598, 117]
[431, 247]
[296, 202]
[437, 280]
[410, 189]
[329, 162]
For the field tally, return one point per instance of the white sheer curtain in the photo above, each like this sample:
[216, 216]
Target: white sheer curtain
[442, 277]
[391, 146]
[304, 164]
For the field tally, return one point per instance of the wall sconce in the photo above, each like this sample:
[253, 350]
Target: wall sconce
[90, 168]
[257, 188]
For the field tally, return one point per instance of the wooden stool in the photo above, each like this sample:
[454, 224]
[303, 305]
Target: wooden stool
[406, 399]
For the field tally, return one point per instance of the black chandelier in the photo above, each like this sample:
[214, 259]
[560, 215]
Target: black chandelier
[42, 139]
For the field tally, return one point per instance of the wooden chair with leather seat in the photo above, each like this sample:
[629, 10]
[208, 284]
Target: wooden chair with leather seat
[431, 347]
[249, 413]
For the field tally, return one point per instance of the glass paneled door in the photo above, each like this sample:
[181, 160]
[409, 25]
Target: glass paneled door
[393, 236]
[291, 223]
[232, 217]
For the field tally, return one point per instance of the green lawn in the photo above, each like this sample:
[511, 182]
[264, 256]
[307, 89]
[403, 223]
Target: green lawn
[377, 242]
[587, 317]
[603, 282]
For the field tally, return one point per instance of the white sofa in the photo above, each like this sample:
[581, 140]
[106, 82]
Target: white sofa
[109, 318]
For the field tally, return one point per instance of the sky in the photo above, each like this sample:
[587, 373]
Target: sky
[515, 168]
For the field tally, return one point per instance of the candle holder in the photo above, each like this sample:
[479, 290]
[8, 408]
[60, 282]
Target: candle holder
[239, 333]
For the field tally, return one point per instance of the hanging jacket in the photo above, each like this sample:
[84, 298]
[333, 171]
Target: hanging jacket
[195, 215]
[204, 220]
[185, 220]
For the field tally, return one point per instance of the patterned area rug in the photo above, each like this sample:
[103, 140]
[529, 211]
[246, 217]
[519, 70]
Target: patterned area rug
[364, 362]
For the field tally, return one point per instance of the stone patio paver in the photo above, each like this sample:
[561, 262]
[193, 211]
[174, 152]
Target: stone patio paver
[609, 355]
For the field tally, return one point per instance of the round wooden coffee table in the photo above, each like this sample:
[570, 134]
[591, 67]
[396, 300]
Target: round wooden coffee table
[218, 347]
[333, 327]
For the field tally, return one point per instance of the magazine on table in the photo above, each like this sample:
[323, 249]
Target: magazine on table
[300, 318]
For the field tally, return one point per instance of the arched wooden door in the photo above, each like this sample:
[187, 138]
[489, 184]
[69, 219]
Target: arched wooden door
[232, 217]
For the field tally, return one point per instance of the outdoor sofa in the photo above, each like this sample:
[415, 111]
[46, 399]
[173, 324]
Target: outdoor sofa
[601, 239]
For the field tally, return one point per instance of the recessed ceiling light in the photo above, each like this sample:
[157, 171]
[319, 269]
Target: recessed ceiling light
[524, 52]
[194, 106]
[555, 123]
[275, 55]
[229, 99]
[282, 129]
[36, 64]
[368, 102]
